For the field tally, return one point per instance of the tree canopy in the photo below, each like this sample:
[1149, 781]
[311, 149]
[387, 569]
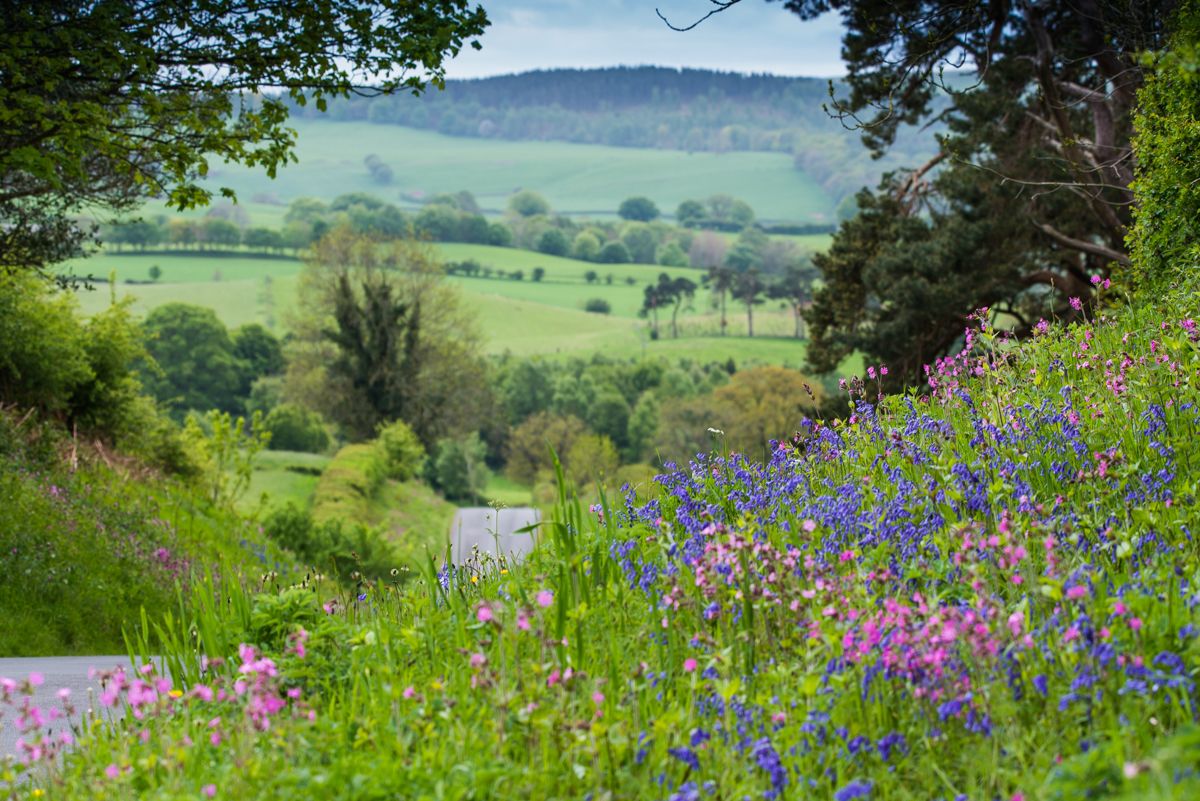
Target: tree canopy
[1028, 197]
[103, 105]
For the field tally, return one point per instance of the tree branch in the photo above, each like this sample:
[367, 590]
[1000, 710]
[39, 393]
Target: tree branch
[1082, 245]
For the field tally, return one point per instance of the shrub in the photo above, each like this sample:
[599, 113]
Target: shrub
[400, 451]
[597, 305]
[614, 253]
[294, 428]
[345, 548]
[458, 467]
[348, 484]
[553, 242]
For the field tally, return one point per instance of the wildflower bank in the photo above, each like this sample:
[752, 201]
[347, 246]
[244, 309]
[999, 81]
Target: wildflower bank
[989, 592]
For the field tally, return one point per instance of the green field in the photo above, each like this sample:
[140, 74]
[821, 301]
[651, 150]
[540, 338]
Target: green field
[519, 317]
[586, 180]
[283, 476]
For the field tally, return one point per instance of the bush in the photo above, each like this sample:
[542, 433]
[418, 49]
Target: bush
[614, 253]
[349, 483]
[458, 468]
[294, 428]
[553, 242]
[341, 547]
[400, 451]
[597, 305]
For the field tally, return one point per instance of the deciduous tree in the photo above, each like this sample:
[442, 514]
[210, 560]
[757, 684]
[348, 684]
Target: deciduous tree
[103, 105]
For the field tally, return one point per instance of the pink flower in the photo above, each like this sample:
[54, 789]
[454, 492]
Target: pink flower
[554, 678]
[209, 790]
[36, 679]
[408, 693]
[689, 665]
[1078, 591]
[203, 692]
[1015, 621]
[809, 525]
[478, 660]
[545, 598]
[1135, 623]
[597, 698]
[1120, 608]
[484, 614]
[112, 771]
[64, 693]
[522, 621]
[1076, 304]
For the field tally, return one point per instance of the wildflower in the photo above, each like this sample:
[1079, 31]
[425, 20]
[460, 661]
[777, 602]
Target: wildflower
[408, 693]
[478, 660]
[209, 790]
[1076, 304]
[689, 665]
[36, 679]
[523, 620]
[598, 698]
[545, 598]
[855, 789]
[1135, 623]
[484, 614]
[112, 771]
[1078, 591]
[685, 755]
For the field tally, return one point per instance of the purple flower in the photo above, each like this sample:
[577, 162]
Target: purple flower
[855, 789]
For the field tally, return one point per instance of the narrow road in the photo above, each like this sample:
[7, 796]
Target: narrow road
[492, 532]
[57, 672]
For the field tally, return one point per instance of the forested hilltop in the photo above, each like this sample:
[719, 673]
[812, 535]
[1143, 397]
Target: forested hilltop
[655, 107]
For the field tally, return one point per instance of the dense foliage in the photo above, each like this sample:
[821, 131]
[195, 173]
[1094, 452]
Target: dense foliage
[1029, 196]
[106, 105]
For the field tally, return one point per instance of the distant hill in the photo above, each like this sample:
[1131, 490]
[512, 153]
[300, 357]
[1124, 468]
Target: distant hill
[650, 107]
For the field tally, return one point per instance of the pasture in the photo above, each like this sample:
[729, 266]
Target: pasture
[577, 180]
[525, 318]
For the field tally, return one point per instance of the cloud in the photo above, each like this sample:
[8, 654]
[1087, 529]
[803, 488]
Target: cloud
[750, 37]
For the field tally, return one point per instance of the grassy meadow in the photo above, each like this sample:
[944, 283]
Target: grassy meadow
[990, 594]
[577, 180]
[519, 317]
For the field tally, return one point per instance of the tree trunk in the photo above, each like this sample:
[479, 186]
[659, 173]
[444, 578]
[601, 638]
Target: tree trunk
[750, 319]
[724, 322]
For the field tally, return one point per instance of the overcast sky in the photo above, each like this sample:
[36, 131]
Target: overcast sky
[754, 36]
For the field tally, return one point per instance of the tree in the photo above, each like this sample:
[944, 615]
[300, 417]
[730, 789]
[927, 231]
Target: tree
[720, 280]
[638, 208]
[654, 296]
[641, 242]
[294, 428]
[220, 233]
[586, 246]
[708, 250]
[593, 457]
[107, 105]
[196, 364]
[259, 353]
[528, 203]
[379, 336]
[529, 447]
[553, 242]
[756, 405]
[459, 468]
[689, 213]
[1050, 113]
[614, 253]
[400, 450]
[643, 422]
[672, 255]
[538, 274]
[526, 388]
[262, 239]
[679, 290]
[748, 288]
[795, 287]
[609, 415]
[155, 273]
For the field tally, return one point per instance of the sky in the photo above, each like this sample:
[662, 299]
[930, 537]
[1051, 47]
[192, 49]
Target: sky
[753, 36]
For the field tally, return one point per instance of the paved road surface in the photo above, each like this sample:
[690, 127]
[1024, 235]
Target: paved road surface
[480, 527]
[59, 672]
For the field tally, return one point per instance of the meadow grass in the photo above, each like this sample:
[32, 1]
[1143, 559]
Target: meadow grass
[987, 593]
[282, 477]
[524, 318]
[579, 180]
